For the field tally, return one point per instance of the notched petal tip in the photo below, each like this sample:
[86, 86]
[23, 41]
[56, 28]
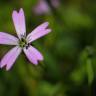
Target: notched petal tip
[14, 13]
[33, 55]
[35, 63]
[9, 59]
[7, 68]
[1, 66]
[39, 32]
[4, 66]
[21, 11]
[46, 23]
[49, 30]
[41, 59]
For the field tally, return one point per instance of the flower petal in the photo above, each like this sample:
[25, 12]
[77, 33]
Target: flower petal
[55, 3]
[8, 39]
[19, 22]
[33, 55]
[41, 7]
[38, 32]
[10, 58]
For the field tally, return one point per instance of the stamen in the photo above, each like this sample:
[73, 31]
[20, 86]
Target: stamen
[23, 43]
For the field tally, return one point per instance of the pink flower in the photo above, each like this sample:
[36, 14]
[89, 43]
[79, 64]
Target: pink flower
[42, 6]
[23, 41]
[55, 3]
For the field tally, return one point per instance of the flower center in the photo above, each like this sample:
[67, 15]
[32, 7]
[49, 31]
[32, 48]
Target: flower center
[23, 43]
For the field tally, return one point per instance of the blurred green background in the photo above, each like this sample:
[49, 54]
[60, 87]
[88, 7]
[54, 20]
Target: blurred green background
[69, 64]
